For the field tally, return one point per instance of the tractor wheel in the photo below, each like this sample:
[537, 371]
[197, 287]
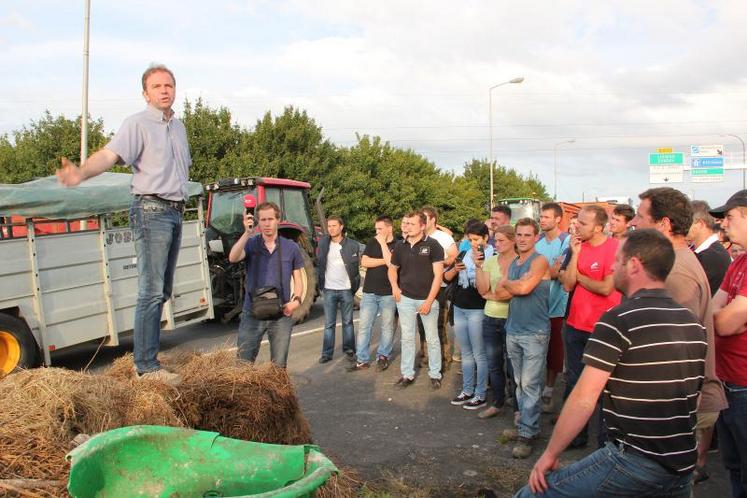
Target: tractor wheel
[308, 277]
[18, 348]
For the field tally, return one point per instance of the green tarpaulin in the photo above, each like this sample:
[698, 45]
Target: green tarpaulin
[46, 198]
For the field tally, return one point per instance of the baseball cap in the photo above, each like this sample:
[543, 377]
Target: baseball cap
[737, 200]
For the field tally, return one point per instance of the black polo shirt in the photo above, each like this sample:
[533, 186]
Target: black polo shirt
[377, 280]
[415, 264]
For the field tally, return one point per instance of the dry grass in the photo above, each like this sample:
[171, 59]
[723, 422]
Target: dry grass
[44, 409]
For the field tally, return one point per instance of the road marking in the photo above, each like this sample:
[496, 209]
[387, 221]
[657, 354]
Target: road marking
[300, 334]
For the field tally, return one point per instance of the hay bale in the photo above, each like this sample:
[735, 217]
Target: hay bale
[346, 484]
[45, 409]
[224, 394]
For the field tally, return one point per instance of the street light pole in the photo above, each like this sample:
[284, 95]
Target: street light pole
[555, 165]
[744, 163]
[84, 110]
[490, 126]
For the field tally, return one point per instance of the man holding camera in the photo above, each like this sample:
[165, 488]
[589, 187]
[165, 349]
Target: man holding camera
[270, 262]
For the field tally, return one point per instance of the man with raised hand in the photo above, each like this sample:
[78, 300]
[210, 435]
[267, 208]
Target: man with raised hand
[271, 260]
[154, 143]
[589, 276]
[377, 297]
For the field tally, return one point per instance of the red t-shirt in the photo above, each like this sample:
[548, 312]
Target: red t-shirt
[595, 263]
[731, 351]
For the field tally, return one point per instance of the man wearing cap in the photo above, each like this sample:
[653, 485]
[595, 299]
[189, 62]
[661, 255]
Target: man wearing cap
[155, 144]
[730, 318]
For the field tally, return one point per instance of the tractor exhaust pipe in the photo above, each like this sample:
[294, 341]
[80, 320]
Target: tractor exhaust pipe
[320, 211]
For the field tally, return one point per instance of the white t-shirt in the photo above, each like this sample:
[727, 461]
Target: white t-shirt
[445, 241]
[336, 276]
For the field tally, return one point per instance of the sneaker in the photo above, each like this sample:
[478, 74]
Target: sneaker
[350, 355]
[325, 359]
[403, 382]
[490, 412]
[162, 375]
[523, 448]
[461, 399]
[358, 366]
[435, 384]
[474, 404]
[510, 435]
[382, 363]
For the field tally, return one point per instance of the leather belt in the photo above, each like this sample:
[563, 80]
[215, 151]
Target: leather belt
[178, 205]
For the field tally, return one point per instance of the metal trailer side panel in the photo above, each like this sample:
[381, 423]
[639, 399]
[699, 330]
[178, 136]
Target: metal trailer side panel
[75, 287]
[16, 281]
[73, 294]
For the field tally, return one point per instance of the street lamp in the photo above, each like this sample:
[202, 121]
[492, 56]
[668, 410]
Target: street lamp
[490, 120]
[744, 163]
[555, 163]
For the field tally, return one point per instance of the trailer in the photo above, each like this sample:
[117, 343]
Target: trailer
[61, 289]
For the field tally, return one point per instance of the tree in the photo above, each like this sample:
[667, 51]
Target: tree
[293, 146]
[35, 150]
[507, 182]
[214, 142]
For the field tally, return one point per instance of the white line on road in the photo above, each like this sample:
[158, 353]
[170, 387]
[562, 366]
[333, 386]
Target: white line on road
[300, 334]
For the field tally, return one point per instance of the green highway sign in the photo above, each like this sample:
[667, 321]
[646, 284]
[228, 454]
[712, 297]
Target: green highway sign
[707, 171]
[671, 158]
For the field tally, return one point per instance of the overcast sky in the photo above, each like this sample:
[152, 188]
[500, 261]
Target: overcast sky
[619, 78]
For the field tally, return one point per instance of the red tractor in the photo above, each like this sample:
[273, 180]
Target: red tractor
[226, 205]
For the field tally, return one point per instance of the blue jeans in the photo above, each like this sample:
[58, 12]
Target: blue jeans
[528, 353]
[494, 339]
[612, 471]
[468, 331]
[574, 342]
[332, 300]
[371, 306]
[732, 437]
[250, 336]
[157, 232]
[408, 313]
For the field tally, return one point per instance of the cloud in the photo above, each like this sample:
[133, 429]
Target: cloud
[620, 78]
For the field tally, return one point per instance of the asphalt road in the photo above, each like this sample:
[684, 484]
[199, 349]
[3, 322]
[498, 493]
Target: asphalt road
[412, 437]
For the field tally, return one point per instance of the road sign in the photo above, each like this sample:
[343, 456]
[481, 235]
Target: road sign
[707, 175]
[707, 162]
[670, 158]
[706, 151]
[665, 174]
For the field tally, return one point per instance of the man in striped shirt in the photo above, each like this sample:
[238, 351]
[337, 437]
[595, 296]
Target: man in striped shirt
[647, 358]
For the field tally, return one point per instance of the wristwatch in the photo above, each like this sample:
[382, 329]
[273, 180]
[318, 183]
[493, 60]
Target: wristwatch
[296, 298]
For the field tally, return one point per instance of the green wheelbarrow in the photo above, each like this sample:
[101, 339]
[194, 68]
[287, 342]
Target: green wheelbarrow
[168, 462]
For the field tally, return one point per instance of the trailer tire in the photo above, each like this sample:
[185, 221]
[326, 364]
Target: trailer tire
[18, 349]
[308, 295]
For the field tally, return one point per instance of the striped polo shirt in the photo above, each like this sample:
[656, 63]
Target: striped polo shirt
[655, 350]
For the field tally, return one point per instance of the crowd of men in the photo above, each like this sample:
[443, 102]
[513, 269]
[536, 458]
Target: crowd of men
[643, 312]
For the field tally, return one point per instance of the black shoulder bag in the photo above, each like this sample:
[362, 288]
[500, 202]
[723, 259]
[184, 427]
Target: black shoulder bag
[267, 302]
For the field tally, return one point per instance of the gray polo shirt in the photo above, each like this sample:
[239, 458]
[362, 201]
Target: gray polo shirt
[158, 151]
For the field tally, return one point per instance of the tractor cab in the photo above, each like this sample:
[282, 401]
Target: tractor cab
[227, 200]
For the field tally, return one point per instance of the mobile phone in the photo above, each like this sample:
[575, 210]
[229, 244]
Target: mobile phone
[481, 248]
[460, 256]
